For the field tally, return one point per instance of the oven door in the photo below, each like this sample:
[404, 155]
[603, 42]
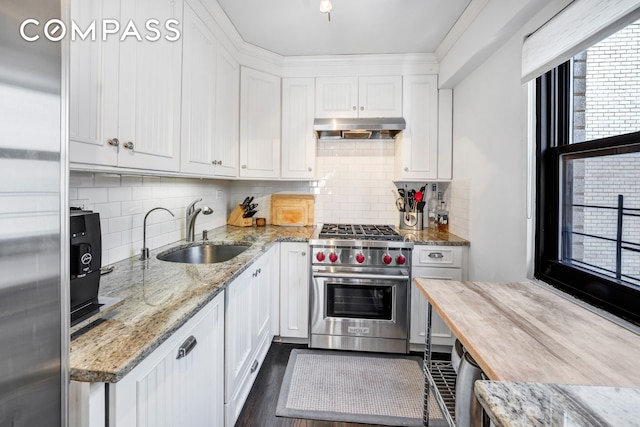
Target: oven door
[350, 307]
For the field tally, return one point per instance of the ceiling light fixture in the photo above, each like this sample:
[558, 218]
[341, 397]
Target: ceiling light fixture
[325, 7]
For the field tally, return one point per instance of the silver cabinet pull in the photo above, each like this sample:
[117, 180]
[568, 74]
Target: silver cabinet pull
[128, 145]
[303, 254]
[436, 255]
[214, 162]
[406, 169]
[310, 169]
[254, 366]
[243, 166]
[354, 108]
[361, 108]
[186, 347]
[113, 142]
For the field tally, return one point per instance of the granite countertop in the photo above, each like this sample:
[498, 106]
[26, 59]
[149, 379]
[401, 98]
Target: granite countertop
[159, 297]
[550, 405]
[525, 332]
[432, 237]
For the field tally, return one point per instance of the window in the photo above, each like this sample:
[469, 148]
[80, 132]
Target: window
[588, 169]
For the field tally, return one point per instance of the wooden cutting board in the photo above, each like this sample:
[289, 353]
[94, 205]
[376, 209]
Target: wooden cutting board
[292, 209]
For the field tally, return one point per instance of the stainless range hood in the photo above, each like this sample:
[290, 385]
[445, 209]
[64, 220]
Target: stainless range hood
[354, 128]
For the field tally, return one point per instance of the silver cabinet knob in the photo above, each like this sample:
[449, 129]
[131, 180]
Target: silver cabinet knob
[128, 145]
[354, 108]
[303, 254]
[310, 169]
[113, 142]
[361, 108]
[406, 169]
[243, 166]
[216, 162]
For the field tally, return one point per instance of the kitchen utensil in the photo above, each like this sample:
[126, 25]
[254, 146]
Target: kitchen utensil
[400, 204]
[420, 206]
[418, 196]
[246, 202]
[249, 214]
[252, 207]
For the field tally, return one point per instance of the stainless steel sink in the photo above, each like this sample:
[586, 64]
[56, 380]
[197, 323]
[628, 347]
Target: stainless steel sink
[202, 253]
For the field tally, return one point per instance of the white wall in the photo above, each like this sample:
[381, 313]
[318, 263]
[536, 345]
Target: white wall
[490, 155]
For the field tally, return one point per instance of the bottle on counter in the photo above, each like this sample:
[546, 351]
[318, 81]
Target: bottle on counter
[432, 207]
[443, 217]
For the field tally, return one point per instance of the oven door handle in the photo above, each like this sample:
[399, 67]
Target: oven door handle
[360, 276]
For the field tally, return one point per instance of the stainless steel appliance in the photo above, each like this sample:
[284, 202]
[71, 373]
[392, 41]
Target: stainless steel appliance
[34, 284]
[360, 294]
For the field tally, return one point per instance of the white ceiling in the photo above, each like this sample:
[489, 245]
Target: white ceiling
[296, 27]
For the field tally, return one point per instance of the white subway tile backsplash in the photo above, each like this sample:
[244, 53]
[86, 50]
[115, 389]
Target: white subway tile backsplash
[119, 194]
[106, 180]
[93, 195]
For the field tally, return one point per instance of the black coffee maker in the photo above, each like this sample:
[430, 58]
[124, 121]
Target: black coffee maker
[86, 260]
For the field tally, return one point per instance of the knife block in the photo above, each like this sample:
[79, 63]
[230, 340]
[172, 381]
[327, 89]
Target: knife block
[236, 218]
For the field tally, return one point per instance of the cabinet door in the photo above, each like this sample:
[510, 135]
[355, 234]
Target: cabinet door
[225, 150]
[93, 87]
[261, 303]
[259, 124]
[198, 95]
[294, 290]
[440, 333]
[238, 331]
[168, 390]
[336, 97]
[149, 102]
[298, 140]
[380, 96]
[417, 145]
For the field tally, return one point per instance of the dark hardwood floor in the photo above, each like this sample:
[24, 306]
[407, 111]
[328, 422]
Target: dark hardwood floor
[260, 408]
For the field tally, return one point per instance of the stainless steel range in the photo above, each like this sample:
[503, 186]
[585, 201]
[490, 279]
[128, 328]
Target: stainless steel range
[360, 292]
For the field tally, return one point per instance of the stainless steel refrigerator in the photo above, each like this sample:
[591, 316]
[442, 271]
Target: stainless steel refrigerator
[33, 219]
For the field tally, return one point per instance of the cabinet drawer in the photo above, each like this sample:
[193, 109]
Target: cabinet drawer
[437, 256]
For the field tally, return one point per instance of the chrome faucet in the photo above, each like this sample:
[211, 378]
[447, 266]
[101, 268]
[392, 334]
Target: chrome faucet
[145, 251]
[190, 219]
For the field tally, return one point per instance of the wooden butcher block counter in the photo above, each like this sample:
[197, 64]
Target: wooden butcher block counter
[524, 332]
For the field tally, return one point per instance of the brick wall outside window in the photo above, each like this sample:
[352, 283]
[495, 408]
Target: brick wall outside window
[606, 102]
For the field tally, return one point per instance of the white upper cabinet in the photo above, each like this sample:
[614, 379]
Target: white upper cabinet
[198, 95]
[210, 98]
[259, 124]
[150, 80]
[298, 140]
[126, 93]
[225, 150]
[417, 146]
[93, 87]
[376, 96]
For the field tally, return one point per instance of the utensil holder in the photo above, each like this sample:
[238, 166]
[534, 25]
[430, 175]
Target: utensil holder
[411, 220]
[236, 218]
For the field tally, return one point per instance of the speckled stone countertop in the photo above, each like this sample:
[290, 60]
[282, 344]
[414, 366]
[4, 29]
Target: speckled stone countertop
[432, 237]
[159, 297]
[531, 404]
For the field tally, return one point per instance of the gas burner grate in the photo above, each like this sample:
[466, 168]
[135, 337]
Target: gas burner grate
[356, 231]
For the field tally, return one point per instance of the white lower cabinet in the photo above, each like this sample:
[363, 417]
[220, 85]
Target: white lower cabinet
[433, 262]
[248, 330]
[180, 383]
[294, 290]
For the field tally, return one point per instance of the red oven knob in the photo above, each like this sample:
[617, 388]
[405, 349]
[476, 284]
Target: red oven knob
[333, 257]
[360, 258]
[320, 256]
[400, 259]
[387, 259]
